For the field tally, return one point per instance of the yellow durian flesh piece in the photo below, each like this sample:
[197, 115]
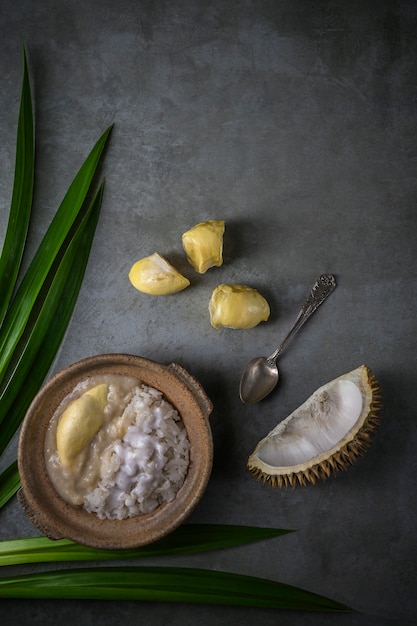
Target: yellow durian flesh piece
[203, 245]
[80, 421]
[325, 434]
[155, 276]
[237, 306]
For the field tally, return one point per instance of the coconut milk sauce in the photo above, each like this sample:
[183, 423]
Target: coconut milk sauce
[73, 483]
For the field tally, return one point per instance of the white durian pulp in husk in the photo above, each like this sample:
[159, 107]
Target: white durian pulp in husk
[323, 435]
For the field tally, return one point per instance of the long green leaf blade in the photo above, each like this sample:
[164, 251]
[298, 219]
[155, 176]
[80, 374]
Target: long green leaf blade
[50, 325]
[54, 288]
[187, 539]
[166, 584]
[21, 203]
[9, 483]
[61, 225]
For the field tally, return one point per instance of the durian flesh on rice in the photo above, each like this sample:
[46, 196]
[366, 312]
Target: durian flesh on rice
[325, 434]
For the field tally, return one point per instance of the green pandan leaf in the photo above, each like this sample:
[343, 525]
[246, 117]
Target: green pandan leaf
[21, 203]
[17, 316]
[166, 584]
[9, 483]
[34, 355]
[186, 539]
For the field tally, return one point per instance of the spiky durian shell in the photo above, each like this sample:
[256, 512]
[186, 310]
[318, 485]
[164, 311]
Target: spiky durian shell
[341, 455]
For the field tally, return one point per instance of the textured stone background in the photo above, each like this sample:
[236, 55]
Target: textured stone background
[296, 123]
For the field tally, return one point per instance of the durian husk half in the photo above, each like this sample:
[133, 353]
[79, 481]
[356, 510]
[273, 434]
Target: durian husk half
[322, 436]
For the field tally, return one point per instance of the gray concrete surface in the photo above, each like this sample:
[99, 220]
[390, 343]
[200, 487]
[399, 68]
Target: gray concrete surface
[296, 123]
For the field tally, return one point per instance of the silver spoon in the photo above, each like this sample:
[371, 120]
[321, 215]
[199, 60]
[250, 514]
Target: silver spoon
[261, 374]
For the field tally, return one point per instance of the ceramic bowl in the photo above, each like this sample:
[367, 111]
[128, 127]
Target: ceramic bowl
[58, 519]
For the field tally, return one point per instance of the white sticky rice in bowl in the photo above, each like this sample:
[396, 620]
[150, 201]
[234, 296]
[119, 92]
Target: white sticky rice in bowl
[136, 462]
[147, 466]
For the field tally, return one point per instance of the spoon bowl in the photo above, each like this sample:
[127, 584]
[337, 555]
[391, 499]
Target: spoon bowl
[261, 375]
[258, 380]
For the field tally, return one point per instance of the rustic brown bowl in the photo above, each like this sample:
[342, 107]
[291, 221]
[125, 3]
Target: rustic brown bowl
[58, 519]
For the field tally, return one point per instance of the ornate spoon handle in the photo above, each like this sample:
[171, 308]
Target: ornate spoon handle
[322, 288]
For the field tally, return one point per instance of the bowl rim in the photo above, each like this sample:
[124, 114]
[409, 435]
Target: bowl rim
[56, 518]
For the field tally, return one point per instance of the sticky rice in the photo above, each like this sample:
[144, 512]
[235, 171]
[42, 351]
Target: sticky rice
[136, 462]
